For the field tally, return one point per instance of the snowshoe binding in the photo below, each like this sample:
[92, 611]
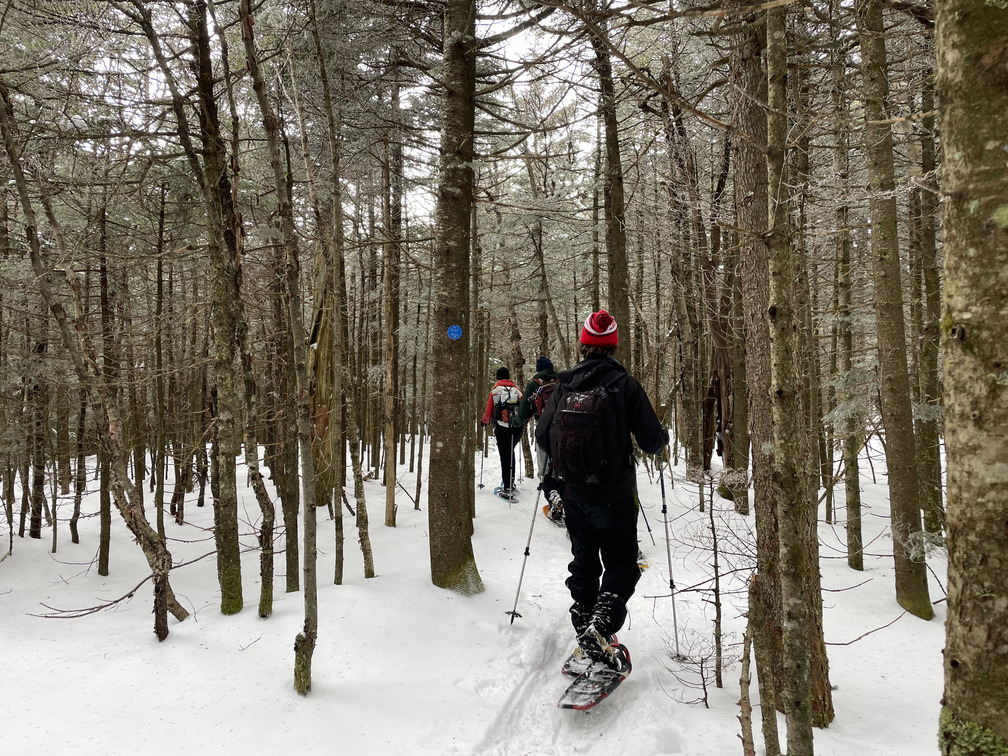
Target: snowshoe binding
[554, 511]
[578, 662]
[600, 649]
[508, 494]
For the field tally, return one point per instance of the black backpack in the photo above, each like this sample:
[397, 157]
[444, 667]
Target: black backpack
[585, 446]
[505, 408]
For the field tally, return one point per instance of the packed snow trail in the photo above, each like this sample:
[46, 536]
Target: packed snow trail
[536, 645]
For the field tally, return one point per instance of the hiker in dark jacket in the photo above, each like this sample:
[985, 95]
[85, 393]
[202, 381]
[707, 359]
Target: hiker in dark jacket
[599, 495]
[504, 394]
[545, 374]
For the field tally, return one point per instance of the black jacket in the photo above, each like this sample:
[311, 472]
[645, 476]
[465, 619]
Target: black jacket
[633, 411]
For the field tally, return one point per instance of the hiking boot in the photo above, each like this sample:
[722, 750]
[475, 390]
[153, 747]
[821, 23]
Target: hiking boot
[580, 617]
[602, 649]
[609, 612]
[556, 511]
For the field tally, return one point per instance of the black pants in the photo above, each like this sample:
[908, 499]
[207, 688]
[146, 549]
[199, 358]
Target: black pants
[507, 440]
[604, 570]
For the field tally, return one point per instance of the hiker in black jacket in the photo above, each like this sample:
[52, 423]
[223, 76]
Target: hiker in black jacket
[587, 427]
[542, 385]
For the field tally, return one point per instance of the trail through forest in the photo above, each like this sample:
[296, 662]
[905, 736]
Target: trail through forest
[405, 667]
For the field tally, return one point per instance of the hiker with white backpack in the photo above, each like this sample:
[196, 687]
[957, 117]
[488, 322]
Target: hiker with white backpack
[502, 410]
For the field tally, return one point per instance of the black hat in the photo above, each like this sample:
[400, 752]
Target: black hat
[502, 373]
[543, 363]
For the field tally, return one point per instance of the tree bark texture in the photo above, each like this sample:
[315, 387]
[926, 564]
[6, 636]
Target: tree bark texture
[223, 251]
[794, 513]
[751, 210]
[453, 565]
[929, 427]
[894, 380]
[972, 40]
[614, 209]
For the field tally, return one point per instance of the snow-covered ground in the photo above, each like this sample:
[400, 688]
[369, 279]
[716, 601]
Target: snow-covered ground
[404, 667]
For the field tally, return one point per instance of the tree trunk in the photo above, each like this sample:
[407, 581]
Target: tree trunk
[738, 427]
[160, 414]
[973, 90]
[38, 402]
[392, 212]
[283, 456]
[612, 193]
[852, 435]
[751, 208]
[596, 278]
[304, 644]
[897, 416]
[251, 430]
[928, 428]
[453, 565]
[422, 414]
[109, 369]
[223, 251]
[795, 515]
[80, 471]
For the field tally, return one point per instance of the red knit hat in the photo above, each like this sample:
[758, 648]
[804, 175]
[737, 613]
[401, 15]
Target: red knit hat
[600, 330]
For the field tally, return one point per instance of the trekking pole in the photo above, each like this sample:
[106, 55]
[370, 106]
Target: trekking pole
[481, 464]
[648, 524]
[521, 455]
[510, 483]
[668, 551]
[521, 577]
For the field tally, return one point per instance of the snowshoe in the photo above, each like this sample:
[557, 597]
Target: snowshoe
[508, 494]
[596, 683]
[554, 514]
